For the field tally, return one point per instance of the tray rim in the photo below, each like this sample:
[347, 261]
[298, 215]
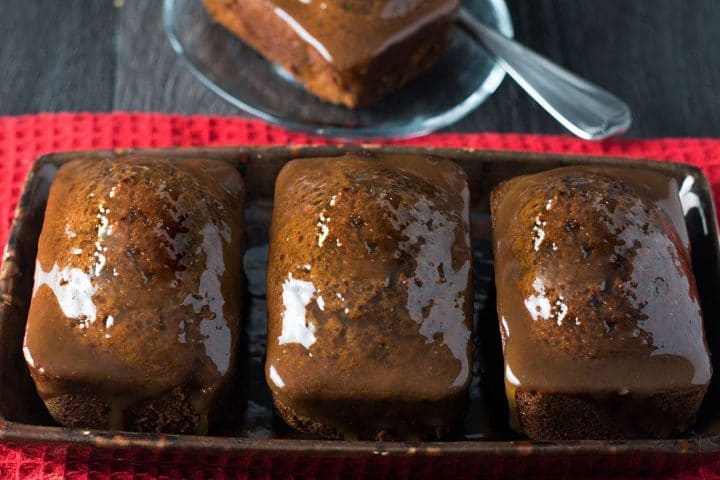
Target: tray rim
[20, 433]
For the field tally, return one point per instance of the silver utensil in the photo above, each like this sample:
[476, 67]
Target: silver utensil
[585, 109]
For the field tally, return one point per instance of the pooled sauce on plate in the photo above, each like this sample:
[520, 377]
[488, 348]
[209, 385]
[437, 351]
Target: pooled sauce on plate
[369, 290]
[595, 290]
[137, 282]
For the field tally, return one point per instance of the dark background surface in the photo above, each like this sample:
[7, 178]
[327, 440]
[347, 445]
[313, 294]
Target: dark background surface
[661, 56]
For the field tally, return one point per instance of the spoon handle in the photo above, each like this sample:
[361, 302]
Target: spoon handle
[585, 109]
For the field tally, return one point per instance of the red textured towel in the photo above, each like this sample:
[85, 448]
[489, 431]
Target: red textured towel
[22, 139]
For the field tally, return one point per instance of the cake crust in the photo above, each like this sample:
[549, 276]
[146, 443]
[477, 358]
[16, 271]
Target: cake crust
[561, 416]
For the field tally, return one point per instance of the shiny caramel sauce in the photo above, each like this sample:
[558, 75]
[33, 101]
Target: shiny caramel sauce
[349, 33]
[369, 291]
[595, 292]
[137, 282]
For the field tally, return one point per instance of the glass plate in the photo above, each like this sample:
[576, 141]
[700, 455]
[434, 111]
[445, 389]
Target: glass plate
[461, 80]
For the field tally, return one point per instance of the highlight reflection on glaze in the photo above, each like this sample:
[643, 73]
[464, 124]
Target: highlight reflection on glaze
[438, 290]
[275, 377]
[538, 305]
[296, 296]
[214, 326]
[303, 33]
[73, 290]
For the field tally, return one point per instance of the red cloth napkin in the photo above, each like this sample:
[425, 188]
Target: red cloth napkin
[22, 139]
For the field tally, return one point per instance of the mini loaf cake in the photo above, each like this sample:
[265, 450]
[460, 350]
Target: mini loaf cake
[370, 297]
[599, 312]
[349, 52]
[135, 313]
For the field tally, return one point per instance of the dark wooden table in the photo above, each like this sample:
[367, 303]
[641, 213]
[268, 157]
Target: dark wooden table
[661, 56]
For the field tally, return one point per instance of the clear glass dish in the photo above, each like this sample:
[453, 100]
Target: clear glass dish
[461, 80]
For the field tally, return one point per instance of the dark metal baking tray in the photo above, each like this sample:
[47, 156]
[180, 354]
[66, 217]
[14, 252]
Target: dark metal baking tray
[251, 436]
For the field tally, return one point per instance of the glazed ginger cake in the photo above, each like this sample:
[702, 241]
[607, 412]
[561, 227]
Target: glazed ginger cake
[370, 296]
[135, 313]
[350, 52]
[599, 312]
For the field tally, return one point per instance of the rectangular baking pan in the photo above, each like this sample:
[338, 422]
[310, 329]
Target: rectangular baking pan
[252, 439]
